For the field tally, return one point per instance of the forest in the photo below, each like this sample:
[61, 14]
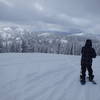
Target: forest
[44, 43]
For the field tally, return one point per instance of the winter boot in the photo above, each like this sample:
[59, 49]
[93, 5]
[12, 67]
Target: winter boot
[82, 80]
[91, 78]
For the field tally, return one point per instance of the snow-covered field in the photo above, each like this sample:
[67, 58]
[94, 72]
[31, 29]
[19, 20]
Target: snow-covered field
[34, 76]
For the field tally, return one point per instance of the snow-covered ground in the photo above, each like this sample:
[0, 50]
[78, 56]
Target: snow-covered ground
[34, 76]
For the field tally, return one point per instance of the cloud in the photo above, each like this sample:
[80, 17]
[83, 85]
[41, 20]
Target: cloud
[38, 6]
[7, 3]
[53, 14]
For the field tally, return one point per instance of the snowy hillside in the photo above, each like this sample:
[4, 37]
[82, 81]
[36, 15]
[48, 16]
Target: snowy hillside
[34, 76]
[24, 39]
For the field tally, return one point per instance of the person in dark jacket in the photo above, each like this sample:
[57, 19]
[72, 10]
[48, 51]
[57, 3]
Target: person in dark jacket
[88, 53]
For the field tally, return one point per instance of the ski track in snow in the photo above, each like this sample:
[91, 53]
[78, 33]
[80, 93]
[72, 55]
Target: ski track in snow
[42, 78]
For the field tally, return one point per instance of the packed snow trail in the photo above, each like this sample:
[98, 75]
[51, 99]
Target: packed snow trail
[34, 76]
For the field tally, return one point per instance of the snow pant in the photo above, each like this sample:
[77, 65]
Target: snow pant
[87, 67]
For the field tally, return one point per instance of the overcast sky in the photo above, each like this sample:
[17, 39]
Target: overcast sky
[61, 15]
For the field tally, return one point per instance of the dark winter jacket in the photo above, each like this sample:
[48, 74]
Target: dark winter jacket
[87, 53]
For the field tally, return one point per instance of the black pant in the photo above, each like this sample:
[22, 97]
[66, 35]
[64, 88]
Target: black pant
[85, 67]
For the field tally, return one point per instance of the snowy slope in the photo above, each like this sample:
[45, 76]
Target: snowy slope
[45, 77]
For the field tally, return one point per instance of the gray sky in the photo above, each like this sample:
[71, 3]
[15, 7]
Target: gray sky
[62, 15]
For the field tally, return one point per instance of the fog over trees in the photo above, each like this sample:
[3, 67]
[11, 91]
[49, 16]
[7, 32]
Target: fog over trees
[44, 42]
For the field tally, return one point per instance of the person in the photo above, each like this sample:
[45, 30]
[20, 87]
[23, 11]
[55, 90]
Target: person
[88, 53]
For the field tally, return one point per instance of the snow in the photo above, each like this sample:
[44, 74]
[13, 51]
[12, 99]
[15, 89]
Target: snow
[79, 34]
[34, 76]
[44, 34]
[64, 41]
[6, 35]
[7, 29]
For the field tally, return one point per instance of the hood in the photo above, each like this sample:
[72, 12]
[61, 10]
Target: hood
[88, 43]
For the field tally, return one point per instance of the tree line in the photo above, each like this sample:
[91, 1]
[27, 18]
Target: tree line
[31, 42]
